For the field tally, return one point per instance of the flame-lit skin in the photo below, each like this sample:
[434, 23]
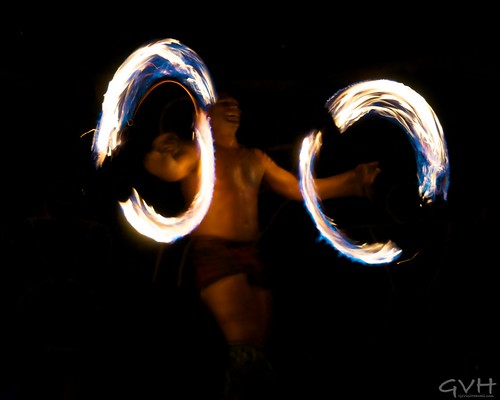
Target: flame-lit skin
[389, 99]
[239, 172]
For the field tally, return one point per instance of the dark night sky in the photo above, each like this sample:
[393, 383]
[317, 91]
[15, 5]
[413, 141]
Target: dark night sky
[439, 308]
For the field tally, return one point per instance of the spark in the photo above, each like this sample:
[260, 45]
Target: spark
[388, 99]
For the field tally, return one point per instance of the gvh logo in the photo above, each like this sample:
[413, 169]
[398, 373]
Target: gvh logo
[458, 388]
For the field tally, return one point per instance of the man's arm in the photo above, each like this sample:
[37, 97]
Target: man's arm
[171, 158]
[358, 182]
[355, 182]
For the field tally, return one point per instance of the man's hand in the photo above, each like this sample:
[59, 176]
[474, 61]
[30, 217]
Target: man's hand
[168, 143]
[366, 174]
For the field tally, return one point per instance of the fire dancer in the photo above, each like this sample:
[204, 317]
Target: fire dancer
[222, 255]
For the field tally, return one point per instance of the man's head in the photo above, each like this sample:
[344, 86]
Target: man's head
[225, 115]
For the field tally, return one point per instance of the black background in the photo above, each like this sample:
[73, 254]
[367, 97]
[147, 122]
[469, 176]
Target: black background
[341, 327]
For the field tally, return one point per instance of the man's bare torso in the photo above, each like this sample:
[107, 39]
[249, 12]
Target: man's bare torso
[233, 213]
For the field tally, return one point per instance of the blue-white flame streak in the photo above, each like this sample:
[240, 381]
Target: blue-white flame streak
[159, 60]
[374, 253]
[145, 66]
[399, 102]
[392, 100]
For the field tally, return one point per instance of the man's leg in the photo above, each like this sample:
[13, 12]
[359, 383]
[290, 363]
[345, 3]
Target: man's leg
[243, 313]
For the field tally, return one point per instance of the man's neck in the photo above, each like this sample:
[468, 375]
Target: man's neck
[228, 141]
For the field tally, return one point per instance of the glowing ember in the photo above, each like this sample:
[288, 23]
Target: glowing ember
[159, 60]
[388, 99]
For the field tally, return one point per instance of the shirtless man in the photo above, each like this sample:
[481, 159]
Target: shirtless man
[223, 248]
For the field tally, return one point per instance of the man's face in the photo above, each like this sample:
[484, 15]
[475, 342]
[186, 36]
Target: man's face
[226, 109]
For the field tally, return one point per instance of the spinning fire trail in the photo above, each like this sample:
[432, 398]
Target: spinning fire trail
[169, 59]
[396, 101]
[144, 67]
